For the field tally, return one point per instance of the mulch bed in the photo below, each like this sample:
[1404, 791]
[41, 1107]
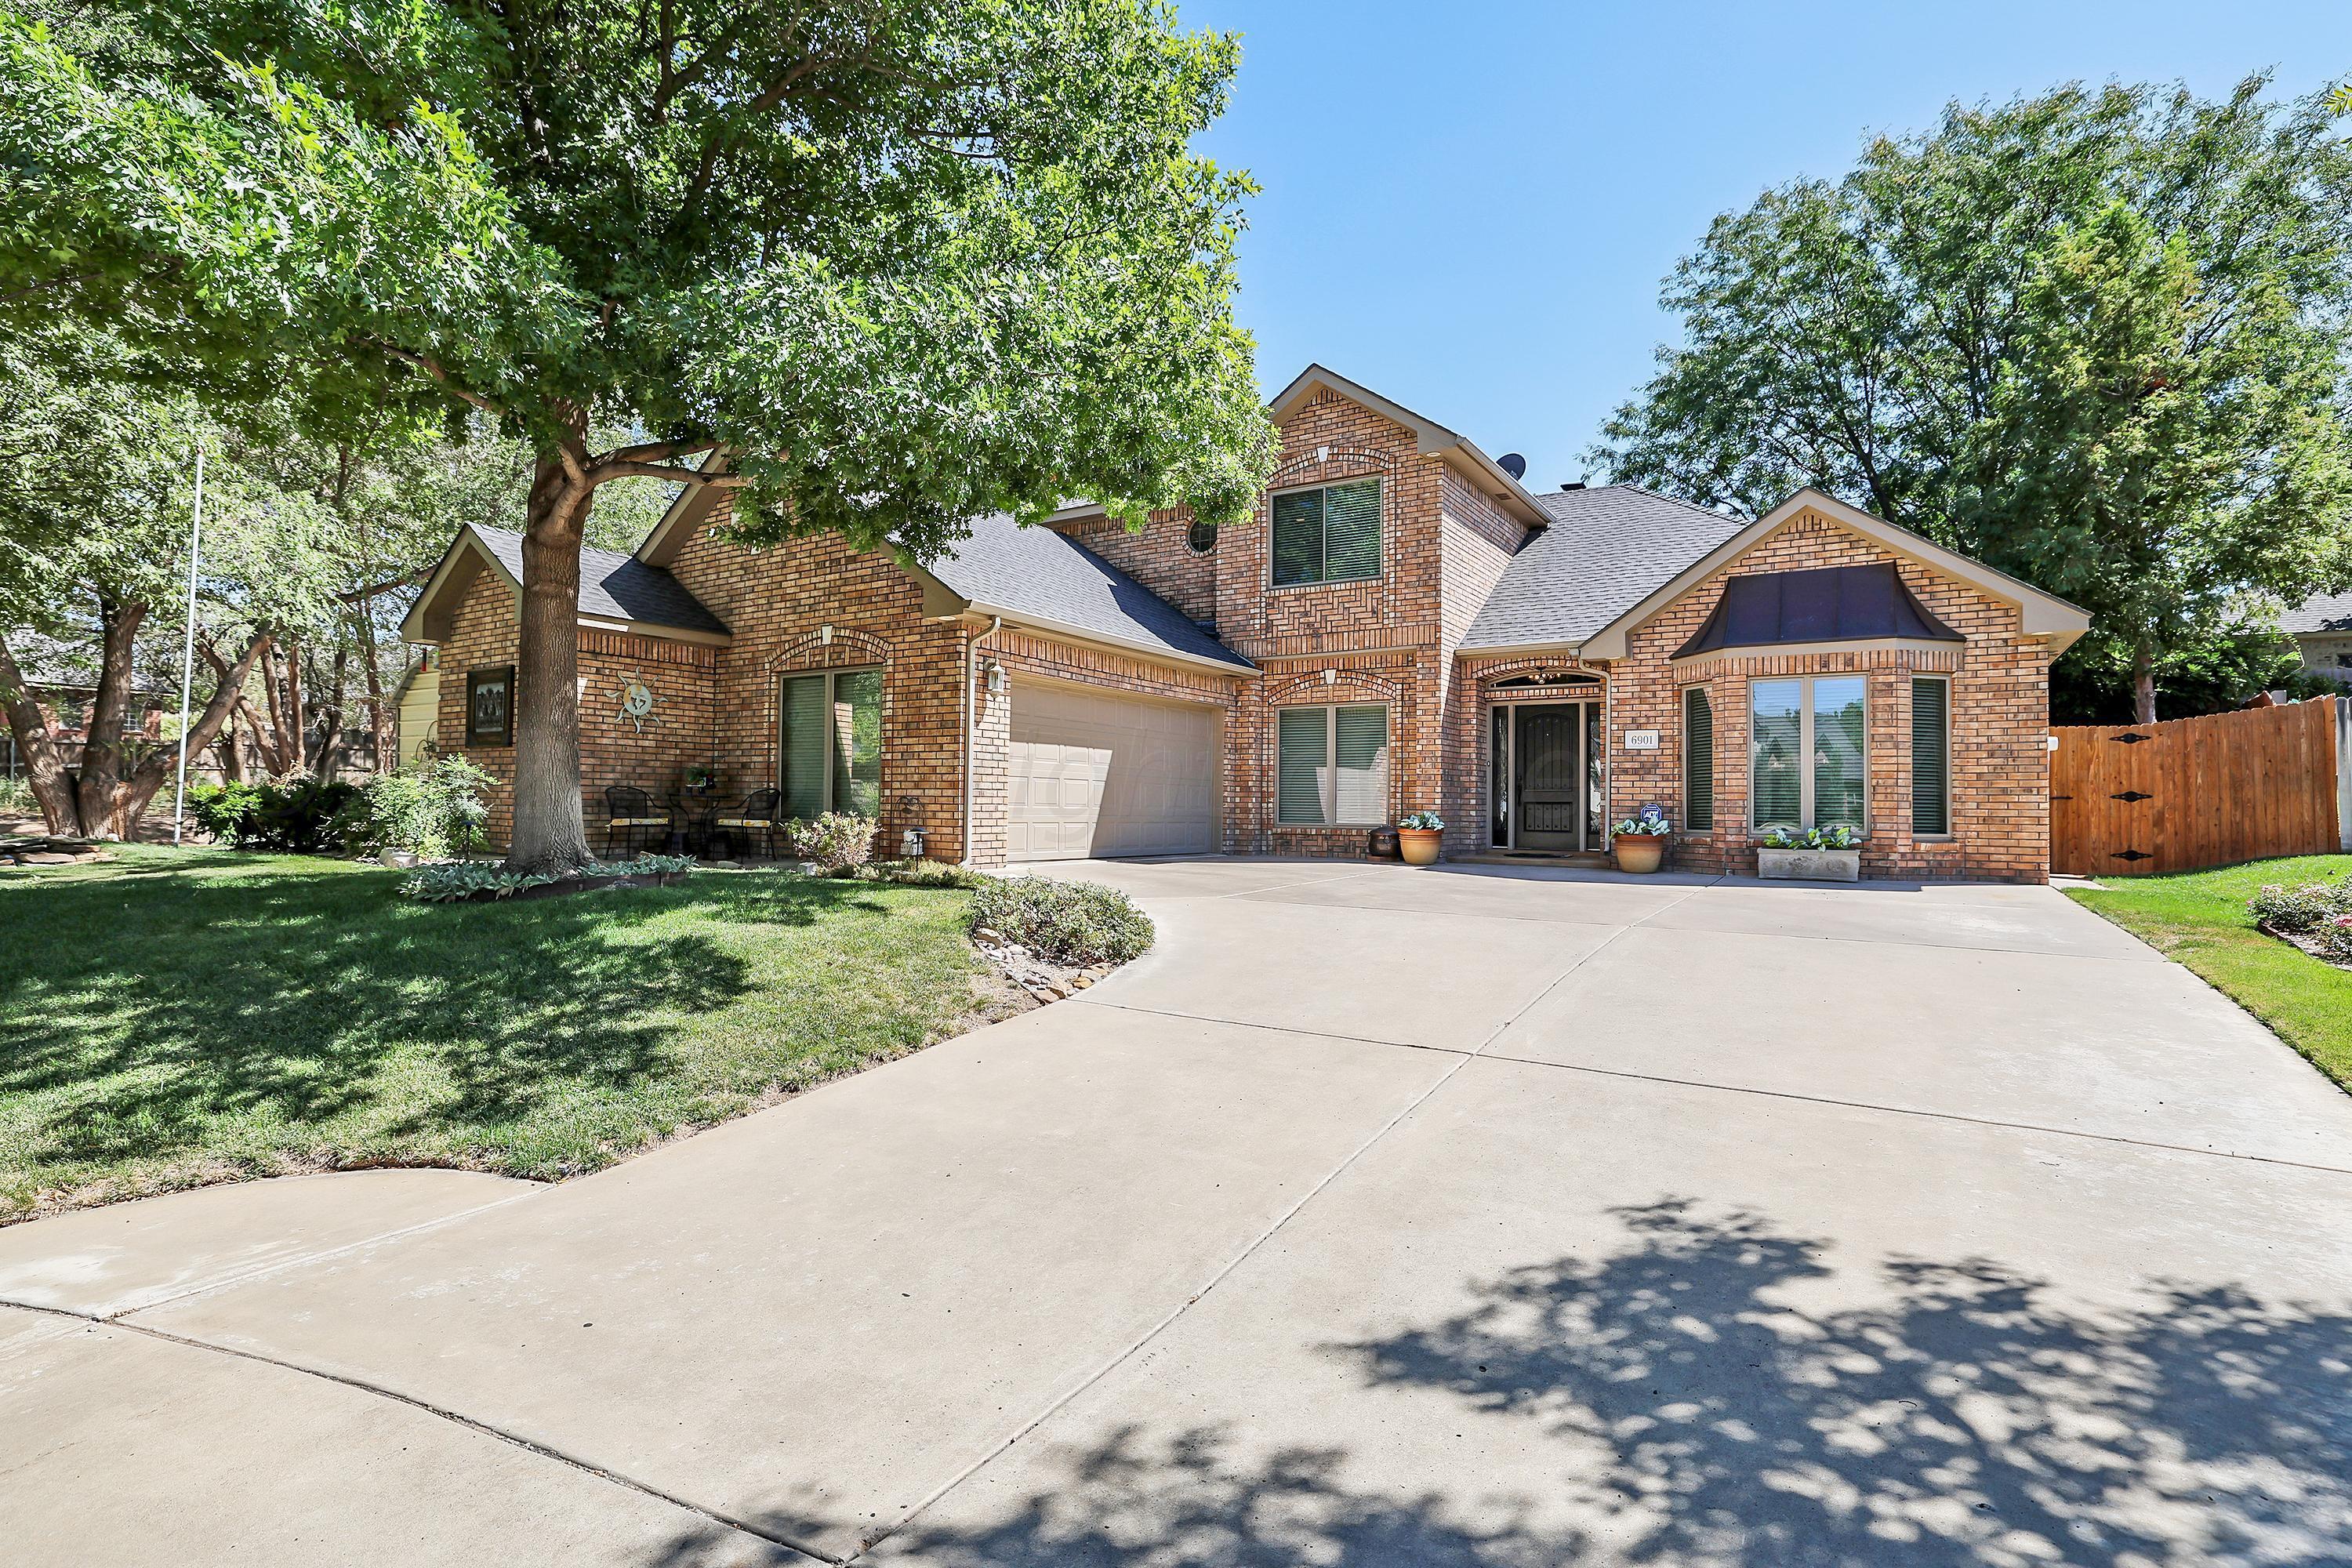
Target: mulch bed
[2308, 944]
[571, 885]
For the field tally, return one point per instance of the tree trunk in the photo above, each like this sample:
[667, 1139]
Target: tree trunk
[46, 769]
[549, 833]
[2144, 682]
[387, 746]
[162, 764]
[100, 775]
[331, 720]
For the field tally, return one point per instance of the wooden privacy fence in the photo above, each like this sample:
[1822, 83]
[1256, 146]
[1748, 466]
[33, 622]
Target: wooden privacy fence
[2191, 793]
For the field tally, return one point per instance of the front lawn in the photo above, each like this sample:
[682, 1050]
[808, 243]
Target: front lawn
[2201, 919]
[173, 1018]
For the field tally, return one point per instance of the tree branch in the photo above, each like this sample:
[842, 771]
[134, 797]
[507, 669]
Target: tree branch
[433, 368]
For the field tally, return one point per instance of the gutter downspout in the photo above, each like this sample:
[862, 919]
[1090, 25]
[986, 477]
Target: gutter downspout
[971, 718]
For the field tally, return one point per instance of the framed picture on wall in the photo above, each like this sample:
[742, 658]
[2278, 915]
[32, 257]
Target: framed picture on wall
[490, 706]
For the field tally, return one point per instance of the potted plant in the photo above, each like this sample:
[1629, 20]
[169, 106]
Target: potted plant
[702, 779]
[1818, 855]
[1419, 833]
[1641, 841]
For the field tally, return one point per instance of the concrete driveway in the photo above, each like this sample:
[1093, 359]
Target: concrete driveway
[1478, 1216]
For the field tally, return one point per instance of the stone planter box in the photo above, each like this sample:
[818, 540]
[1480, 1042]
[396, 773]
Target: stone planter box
[1808, 865]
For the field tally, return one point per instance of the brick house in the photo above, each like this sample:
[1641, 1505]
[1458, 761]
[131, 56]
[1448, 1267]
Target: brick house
[1403, 625]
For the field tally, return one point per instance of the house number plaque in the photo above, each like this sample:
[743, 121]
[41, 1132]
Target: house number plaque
[1641, 740]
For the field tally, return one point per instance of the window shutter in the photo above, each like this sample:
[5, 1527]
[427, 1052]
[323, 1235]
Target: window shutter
[805, 746]
[1301, 740]
[1352, 531]
[1698, 761]
[1297, 537]
[1363, 748]
[1931, 783]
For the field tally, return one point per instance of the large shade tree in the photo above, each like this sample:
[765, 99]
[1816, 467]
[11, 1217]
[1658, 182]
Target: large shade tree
[2097, 339]
[97, 471]
[905, 261]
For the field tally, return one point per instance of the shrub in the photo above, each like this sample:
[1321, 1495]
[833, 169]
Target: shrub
[2303, 908]
[301, 816]
[466, 879]
[924, 874]
[1063, 923]
[17, 797]
[430, 810]
[2335, 939]
[837, 842]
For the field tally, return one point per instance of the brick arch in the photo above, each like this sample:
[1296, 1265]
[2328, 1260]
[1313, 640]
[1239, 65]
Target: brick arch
[848, 646]
[1490, 678]
[1384, 461]
[1353, 686]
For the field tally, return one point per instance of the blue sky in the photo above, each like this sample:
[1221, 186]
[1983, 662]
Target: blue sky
[1469, 207]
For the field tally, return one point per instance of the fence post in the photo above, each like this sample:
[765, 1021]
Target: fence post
[2342, 771]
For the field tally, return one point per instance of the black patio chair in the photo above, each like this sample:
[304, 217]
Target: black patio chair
[630, 811]
[755, 818]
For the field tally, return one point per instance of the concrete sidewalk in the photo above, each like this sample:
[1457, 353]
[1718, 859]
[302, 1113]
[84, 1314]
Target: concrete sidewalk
[1478, 1215]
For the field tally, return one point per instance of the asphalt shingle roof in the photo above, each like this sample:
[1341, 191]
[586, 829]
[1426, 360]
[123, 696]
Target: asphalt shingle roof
[1608, 548]
[1034, 571]
[616, 585]
[2327, 613]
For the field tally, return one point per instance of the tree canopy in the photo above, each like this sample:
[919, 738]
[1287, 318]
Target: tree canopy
[908, 261]
[2097, 339]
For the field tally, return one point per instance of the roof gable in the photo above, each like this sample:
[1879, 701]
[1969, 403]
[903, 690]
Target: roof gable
[1429, 438]
[2041, 614]
[616, 589]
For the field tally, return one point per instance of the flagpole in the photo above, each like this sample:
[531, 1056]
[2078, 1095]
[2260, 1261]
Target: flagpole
[188, 652]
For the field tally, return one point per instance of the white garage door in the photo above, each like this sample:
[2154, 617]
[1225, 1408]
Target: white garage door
[1093, 774]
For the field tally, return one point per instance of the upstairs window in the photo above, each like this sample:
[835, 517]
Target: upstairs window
[1328, 535]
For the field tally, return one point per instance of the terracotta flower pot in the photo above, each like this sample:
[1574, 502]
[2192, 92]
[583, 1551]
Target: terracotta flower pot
[1639, 852]
[1420, 845]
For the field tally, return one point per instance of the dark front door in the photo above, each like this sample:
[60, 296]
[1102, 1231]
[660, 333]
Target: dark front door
[1549, 777]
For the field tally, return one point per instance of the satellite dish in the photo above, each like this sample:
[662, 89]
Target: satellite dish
[1513, 464]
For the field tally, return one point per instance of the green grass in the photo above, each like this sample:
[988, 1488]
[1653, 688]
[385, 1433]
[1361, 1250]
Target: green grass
[178, 1016]
[2201, 919]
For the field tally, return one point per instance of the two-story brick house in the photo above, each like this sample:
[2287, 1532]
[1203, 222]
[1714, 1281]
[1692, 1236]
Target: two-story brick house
[1403, 625]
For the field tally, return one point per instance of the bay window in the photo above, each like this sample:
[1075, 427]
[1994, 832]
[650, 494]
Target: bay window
[1807, 741]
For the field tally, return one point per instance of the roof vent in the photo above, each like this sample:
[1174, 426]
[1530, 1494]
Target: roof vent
[1573, 485]
[1513, 464]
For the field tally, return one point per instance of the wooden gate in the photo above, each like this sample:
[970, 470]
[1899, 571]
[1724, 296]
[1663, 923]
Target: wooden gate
[2192, 793]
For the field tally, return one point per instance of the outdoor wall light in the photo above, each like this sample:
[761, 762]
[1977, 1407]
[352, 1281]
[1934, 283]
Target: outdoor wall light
[996, 679]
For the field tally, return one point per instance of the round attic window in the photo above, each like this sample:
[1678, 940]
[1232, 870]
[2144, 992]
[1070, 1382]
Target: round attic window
[1200, 538]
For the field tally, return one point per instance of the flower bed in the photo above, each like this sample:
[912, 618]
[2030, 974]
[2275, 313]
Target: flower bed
[2316, 917]
[479, 881]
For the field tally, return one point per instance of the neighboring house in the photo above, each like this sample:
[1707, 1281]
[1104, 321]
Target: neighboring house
[416, 708]
[2322, 630]
[1403, 625]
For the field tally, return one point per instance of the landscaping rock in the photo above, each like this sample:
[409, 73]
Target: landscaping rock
[44, 857]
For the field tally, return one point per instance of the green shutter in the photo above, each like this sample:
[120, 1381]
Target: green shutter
[1301, 740]
[1698, 761]
[1775, 737]
[1839, 739]
[1297, 537]
[1931, 783]
[1351, 532]
[858, 742]
[1363, 748]
[804, 746]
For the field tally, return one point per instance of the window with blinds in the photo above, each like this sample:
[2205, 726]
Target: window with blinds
[1331, 534]
[830, 744]
[1931, 755]
[1808, 752]
[1698, 760]
[1331, 766]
